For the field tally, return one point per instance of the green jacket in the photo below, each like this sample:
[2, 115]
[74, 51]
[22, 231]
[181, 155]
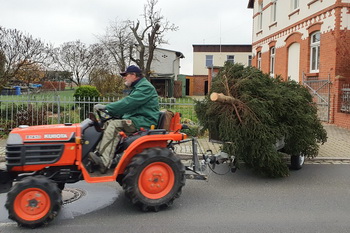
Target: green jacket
[141, 105]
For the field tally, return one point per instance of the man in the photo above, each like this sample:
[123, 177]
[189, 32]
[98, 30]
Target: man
[140, 109]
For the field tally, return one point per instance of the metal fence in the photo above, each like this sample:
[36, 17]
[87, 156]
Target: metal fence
[345, 99]
[319, 88]
[42, 110]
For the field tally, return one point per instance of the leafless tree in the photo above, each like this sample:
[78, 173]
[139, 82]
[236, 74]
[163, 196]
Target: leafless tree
[18, 51]
[117, 42]
[149, 36]
[79, 59]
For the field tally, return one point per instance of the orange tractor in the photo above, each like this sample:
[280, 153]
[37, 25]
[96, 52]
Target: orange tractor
[42, 159]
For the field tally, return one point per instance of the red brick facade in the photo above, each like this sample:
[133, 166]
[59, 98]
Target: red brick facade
[334, 56]
[198, 85]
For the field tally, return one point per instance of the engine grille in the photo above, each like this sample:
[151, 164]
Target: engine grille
[20, 155]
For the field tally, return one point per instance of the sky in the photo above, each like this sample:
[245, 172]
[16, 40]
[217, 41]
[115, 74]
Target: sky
[199, 21]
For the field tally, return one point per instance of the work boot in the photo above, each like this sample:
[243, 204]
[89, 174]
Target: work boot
[98, 161]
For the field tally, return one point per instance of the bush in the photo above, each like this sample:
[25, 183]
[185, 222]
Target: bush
[86, 93]
[30, 115]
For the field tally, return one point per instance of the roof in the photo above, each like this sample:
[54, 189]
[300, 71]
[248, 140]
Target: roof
[178, 54]
[222, 48]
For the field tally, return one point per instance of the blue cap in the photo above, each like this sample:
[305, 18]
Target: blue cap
[131, 69]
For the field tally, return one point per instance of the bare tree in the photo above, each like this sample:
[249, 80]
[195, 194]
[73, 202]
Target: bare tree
[79, 59]
[18, 51]
[117, 41]
[149, 36]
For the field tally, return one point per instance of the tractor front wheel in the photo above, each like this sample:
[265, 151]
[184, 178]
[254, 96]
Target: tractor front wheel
[34, 201]
[154, 178]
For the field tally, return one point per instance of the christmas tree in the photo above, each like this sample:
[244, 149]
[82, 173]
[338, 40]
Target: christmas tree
[257, 111]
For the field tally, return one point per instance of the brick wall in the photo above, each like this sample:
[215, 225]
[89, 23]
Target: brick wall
[198, 86]
[340, 118]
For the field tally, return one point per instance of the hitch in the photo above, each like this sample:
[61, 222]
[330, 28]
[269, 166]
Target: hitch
[220, 158]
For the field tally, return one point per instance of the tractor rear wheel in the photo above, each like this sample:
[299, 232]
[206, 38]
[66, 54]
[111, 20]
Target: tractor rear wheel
[34, 201]
[154, 178]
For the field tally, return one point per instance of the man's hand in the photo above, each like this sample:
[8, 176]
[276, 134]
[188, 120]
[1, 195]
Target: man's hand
[100, 107]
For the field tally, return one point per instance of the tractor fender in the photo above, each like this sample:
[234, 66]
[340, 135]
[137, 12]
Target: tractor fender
[142, 143]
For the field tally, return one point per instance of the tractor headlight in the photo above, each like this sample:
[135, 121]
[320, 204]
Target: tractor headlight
[14, 138]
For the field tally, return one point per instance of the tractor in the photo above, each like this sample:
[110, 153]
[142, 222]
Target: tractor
[40, 160]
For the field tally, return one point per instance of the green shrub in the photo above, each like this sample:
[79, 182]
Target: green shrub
[86, 93]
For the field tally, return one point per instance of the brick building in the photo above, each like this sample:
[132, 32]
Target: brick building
[206, 61]
[307, 41]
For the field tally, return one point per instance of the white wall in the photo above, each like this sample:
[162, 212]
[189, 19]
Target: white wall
[199, 59]
[165, 62]
[284, 20]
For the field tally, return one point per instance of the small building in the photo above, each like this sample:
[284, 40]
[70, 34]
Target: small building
[309, 42]
[165, 70]
[207, 59]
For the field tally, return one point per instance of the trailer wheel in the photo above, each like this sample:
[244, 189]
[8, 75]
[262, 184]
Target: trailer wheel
[34, 201]
[297, 161]
[154, 178]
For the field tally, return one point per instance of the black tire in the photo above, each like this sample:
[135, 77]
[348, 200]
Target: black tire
[153, 179]
[297, 161]
[34, 201]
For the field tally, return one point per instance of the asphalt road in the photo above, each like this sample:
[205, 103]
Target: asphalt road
[314, 199]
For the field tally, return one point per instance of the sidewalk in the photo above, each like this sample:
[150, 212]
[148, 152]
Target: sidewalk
[337, 147]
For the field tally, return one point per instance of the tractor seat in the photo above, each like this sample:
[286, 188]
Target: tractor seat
[164, 119]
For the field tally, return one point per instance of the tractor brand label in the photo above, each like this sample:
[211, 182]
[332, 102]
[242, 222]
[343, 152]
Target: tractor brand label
[55, 136]
[33, 136]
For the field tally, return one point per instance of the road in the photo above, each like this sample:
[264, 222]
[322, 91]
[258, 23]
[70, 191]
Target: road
[313, 199]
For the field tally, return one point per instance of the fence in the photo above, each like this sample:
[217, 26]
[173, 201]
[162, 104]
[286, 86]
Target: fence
[42, 110]
[319, 88]
[345, 99]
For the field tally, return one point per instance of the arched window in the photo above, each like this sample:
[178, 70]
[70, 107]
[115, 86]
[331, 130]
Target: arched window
[272, 61]
[315, 52]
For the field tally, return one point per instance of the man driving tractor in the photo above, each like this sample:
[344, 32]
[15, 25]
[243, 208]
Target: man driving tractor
[140, 109]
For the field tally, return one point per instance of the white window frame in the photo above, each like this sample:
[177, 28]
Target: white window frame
[273, 11]
[209, 58]
[249, 60]
[272, 61]
[259, 60]
[294, 4]
[231, 59]
[315, 52]
[260, 16]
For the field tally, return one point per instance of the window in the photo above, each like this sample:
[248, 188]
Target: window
[231, 58]
[260, 16]
[273, 11]
[315, 52]
[259, 60]
[295, 4]
[250, 60]
[272, 61]
[209, 60]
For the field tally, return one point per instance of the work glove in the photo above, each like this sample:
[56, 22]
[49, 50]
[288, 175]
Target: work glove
[99, 107]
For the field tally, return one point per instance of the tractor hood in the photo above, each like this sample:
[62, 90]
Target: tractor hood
[43, 133]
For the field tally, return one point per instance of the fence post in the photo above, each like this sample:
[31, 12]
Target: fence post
[58, 109]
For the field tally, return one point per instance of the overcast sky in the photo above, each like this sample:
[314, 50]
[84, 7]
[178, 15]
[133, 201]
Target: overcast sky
[199, 21]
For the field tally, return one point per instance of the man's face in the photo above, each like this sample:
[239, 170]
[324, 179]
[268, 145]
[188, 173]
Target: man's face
[129, 78]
